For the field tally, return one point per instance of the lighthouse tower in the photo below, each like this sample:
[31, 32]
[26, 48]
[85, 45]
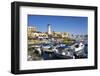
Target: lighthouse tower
[49, 29]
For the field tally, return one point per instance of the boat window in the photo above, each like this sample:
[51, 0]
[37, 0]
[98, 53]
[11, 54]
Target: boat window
[76, 46]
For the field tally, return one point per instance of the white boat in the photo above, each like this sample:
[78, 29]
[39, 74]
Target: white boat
[47, 48]
[79, 47]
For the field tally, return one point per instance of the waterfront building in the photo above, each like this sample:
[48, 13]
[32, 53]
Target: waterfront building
[65, 34]
[31, 29]
[33, 33]
[61, 34]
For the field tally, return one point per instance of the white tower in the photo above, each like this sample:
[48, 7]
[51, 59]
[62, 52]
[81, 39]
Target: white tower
[49, 29]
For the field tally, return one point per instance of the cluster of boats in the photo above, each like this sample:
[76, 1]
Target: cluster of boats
[61, 51]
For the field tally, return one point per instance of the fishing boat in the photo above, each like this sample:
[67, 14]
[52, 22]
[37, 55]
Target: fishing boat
[80, 50]
[63, 52]
[47, 48]
[70, 52]
[79, 47]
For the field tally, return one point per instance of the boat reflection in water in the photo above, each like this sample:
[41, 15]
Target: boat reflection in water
[59, 51]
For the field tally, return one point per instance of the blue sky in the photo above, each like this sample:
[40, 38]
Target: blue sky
[72, 24]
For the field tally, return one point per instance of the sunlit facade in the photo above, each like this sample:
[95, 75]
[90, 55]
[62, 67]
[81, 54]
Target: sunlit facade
[34, 33]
